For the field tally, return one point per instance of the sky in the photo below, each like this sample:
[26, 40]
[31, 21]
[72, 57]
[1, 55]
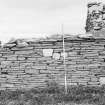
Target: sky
[40, 18]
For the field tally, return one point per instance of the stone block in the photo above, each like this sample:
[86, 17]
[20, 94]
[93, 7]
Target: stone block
[73, 57]
[90, 54]
[24, 64]
[93, 83]
[72, 53]
[12, 58]
[82, 83]
[72, 84]
[69, 63]
[44, 71]
[39, 67]
[56, 56]
[47, 52]
[15, 64]
[16, 73]
[32, 58]
[38, 53]
[50, 68]
[3, 80]
[6, 52]
[9, 45]
[24, 52]
[60, 66]
[22, 49]
[21, 45]
[102, 80]
[32, 71]
[7, 85]
[64, 54]
[94, 79]
[58, 50]
[14, 80]
[6, 63]
[2, 59]
[44, 59]
[20, 58]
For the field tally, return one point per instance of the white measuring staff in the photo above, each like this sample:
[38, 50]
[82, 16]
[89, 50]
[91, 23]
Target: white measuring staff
[64, 62]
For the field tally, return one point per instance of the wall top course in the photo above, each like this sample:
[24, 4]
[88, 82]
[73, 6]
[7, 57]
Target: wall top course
[50, 41]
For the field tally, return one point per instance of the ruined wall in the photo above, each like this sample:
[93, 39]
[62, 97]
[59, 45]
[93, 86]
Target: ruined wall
[95, 17]
[27, 64]
[35, 63]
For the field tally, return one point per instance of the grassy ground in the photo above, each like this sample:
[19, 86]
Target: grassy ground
[55, 95]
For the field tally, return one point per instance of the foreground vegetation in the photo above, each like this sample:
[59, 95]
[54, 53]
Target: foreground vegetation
[55, 95]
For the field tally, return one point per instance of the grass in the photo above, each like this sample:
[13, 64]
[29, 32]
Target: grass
[54, 95]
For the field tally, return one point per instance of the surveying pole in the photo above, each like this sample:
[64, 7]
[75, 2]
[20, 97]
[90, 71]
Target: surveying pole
[64, 62]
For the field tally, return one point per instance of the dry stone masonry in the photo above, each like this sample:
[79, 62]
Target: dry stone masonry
[34, 63]
[26, 64]
[96, 17]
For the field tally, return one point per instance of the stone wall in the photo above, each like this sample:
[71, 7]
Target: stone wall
[95, 17]
[34, 63]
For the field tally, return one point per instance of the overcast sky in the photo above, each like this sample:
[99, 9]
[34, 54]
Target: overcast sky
[37, 18]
